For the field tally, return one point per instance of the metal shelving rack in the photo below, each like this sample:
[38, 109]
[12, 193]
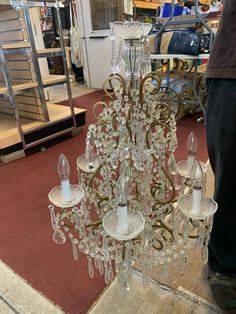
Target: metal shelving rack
[171, 23]
[27, 47]
[198, 19]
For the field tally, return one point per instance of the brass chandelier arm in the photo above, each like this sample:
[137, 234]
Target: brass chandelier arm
[155, 188]
[108, 82]
[155, 123]
[172, 186]
[128, 124]
[101, 198]
[166, 110]
[151, 75]
[94, 224]
[90, 184]
[94, 110]
[160, 243]
[107, 95]
[165, 227]
[164, 99]
[155, 208]
[161, 225]
[130, 89]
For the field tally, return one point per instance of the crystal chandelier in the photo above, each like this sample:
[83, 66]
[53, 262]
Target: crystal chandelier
[130, 204]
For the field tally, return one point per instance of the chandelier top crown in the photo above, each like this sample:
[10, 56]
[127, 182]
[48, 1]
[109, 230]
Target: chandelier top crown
[130, 30]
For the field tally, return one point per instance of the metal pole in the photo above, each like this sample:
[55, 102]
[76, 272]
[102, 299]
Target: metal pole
[11, 94]
[34, 57]
[64, 62]
[169, 19]
[204, 23]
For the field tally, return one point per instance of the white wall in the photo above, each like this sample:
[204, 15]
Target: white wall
[38, 37]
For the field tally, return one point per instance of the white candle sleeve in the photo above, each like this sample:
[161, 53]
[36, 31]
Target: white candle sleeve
[123, 219]
[197, 200]
[66, 192]
[190, 162]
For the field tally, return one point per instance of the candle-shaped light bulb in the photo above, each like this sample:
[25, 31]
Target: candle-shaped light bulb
[122, 197]
[192, 146]
[192, 143]
[63, 169]
[197, 185]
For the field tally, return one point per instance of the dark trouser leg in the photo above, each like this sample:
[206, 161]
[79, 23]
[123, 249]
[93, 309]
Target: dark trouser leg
[221, 141]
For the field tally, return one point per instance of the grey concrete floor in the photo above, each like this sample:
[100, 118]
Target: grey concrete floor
[152, 299]
[16, 296]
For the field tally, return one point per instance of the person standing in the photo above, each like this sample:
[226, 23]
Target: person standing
[221, 142]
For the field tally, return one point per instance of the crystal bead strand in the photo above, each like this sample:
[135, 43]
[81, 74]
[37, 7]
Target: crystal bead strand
[75, 249]
[90, 267]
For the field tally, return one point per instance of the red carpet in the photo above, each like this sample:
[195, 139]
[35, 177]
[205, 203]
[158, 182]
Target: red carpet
[25, 232]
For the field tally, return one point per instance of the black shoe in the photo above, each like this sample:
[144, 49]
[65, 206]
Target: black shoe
[223, 288]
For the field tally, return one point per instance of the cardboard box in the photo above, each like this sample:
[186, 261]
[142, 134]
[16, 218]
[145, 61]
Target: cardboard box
[153, 43]
[178, 18]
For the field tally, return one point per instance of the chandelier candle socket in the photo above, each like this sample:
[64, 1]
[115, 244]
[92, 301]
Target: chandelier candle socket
[192, 146]
[122, 195]
[197, 186]
[122, 211]
[63, 169]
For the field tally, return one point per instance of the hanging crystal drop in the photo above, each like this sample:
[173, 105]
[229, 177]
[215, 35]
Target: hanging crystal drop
[90, 267]
[127, 278]
[96, 263]
[84, 209]
[114, 161]
[53, 216]
[106, 273]
[172, 166]
[110, 271]
[164, 271]
[100, 267]
[119, 57]
[183, 262]
[79, 176]
[113, 53]
[77, 218]
[78, 215]
[125, 169]
[205, 254]
[83, 230]
[176, 182]
[115, 56]
[105, 247]
[175, 224]
[89, 155]
[185, 230]
[117, 263]
[75, 250]
[59, 236]
[128, 251]
[146, 278]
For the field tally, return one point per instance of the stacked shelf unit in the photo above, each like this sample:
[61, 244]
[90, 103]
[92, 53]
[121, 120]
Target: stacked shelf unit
[26, 120]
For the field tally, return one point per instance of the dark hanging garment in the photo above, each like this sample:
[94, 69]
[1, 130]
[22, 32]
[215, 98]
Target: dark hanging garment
[222, 62]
